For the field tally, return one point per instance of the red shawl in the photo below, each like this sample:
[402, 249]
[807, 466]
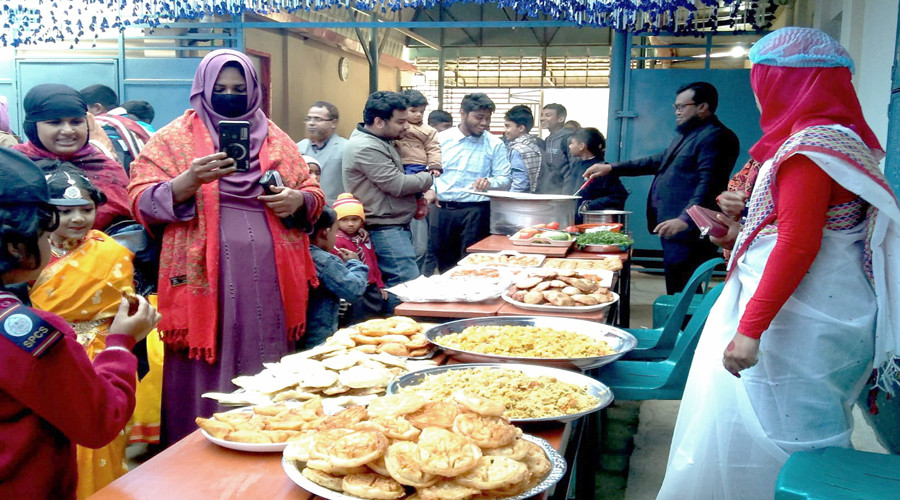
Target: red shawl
[107, 174]
[189, 261]
[793, 99]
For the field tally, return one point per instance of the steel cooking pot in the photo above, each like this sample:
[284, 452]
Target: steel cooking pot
[604, 216]
[513, 211]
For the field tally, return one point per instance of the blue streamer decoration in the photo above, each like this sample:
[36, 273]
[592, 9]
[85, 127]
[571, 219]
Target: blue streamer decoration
[21, 23]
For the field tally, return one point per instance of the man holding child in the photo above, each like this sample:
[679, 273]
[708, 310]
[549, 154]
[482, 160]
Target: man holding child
[373, 172]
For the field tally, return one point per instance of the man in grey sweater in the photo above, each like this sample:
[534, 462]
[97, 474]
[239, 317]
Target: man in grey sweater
[323, 144]
[373, 172]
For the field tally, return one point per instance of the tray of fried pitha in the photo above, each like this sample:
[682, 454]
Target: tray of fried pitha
[404, 447]
[559, 290]
[351, 367]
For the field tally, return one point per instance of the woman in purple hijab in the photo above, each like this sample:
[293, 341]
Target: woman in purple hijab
[234, 266]
[7, 138]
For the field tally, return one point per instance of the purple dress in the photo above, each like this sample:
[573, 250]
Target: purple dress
[251, 327]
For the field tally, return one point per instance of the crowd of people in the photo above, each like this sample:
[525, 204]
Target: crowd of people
[244, 272]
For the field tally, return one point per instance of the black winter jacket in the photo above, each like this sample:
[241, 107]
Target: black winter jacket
[693, 170]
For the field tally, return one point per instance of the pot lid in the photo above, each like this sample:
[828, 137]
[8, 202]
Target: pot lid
[606, 212]
[522, 196]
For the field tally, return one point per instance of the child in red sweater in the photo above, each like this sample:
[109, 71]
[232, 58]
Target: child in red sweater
[353, 237]
[51, 395]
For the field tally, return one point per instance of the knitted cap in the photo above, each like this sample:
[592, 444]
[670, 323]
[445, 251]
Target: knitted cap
[346, 205]
[309, 159]
[796, 47]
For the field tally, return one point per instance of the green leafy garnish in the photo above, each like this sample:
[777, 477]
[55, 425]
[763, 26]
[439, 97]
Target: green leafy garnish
[603, 238]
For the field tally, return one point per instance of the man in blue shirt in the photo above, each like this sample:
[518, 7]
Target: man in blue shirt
[472, 160]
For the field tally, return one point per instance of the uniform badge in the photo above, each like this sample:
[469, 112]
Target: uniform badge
[72, 193]
[21, 326]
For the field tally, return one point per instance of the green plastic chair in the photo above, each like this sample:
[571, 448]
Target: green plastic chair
[663, 379]
[665, 306]
[838, 473]
[657, 343]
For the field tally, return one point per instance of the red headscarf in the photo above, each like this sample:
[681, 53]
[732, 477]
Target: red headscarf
[793, 99]
[106, 173]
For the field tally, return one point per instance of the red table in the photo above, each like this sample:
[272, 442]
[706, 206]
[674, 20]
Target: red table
[499, 243]
[194, 468]
[578, 254]
[496, 307]
[510, 310]
[455, 310]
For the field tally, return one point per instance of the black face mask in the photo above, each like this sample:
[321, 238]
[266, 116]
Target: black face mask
[230, 105]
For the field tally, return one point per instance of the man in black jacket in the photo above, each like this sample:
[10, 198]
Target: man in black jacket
[693, 170]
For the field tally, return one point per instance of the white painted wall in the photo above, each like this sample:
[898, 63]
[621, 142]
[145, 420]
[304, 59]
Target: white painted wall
[868, 30]
[873, 63]
[589, 107]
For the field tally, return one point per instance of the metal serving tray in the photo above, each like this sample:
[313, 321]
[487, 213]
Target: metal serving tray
[595, 388]
[558, 468]
[619, 340]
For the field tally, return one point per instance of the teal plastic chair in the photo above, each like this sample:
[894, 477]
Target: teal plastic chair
[664, 379]
[657, 343]
[839, 473]
[665, 306]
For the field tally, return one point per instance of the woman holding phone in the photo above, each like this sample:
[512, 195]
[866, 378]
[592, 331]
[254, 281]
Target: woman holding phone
[234, 280]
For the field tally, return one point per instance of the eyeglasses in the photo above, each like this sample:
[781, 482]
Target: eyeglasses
[48, 218]
[316, 119]
[680, 107]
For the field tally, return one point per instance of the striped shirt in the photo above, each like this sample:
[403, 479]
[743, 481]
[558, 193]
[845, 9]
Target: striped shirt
[525, 151]
[467, 158]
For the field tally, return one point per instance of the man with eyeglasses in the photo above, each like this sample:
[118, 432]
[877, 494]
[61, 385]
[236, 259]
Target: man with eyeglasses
[693, 170]
[323, 144]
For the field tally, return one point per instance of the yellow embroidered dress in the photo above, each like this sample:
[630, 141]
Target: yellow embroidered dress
[84, 285]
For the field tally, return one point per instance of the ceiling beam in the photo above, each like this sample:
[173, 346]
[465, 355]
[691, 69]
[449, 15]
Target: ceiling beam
[462, 26]
[411, 34]
[377, 24]
[550, 40]
[416, 14]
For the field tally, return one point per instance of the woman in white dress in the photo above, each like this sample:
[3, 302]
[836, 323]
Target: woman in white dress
[806, 311]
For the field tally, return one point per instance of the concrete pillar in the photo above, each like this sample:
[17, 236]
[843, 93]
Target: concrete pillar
[892, 161]
[618, 60]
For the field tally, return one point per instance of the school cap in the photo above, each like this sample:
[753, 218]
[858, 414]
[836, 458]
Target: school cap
[69, 188]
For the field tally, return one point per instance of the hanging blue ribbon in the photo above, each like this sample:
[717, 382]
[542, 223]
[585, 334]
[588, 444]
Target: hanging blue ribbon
[25, 24]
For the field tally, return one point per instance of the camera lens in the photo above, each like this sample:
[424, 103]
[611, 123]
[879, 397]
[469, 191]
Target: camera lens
[236, 151]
